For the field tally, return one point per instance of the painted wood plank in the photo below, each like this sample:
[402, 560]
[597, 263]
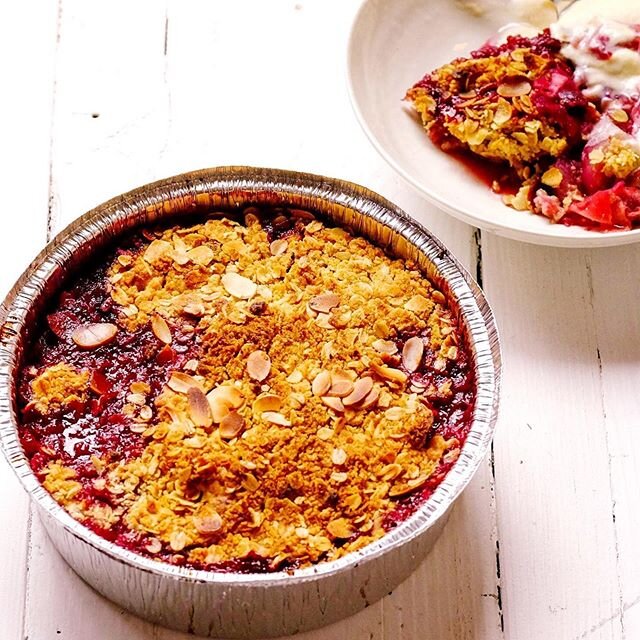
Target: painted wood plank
[616, 299]
[25, 122]
[554, 503]
[189, 98]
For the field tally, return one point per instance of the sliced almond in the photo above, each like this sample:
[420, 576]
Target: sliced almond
[385, 346]
[324, 302]
[94, 335]
[195, 309]
[209, 524]
[321, 383]
[161, 329]
[341, 384]
[323, 320]
[412, 353]
[405, 488]
[258, 365]
[239, 286]
[201, 255]
[371, 399]
[515, 88]
[340, 528]
[267, 402]
[153, 545]
[361, 390]
[181, 382]
[199, 409]
[231, 425]
[389, 373]
[278, 247]
[275, 418]
[334, 403]
[338, 456]
[325, 433]
[220, 408]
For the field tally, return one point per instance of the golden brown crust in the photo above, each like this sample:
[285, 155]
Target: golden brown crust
[311, 424]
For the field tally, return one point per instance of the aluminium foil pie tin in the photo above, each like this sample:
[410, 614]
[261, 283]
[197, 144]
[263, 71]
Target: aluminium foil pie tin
[249, 605]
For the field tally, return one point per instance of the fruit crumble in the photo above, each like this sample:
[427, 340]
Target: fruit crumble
[556, 116]
[248, 393]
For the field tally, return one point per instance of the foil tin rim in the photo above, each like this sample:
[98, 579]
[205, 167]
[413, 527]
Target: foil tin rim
[148, 204]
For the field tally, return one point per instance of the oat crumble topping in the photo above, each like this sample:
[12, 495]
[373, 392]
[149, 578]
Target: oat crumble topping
[296, 414]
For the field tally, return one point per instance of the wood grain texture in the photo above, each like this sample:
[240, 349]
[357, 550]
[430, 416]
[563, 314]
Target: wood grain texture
[25, 126]
[145, 90]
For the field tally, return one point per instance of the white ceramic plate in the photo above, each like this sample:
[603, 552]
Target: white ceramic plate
[393, 43]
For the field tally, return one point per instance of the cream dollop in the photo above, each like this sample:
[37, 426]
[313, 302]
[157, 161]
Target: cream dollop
[602, 63]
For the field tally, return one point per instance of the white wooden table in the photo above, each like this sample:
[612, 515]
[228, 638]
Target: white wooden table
[101, 97]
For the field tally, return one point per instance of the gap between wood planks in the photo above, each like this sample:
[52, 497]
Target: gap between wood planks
[616, 542]
[477, 240]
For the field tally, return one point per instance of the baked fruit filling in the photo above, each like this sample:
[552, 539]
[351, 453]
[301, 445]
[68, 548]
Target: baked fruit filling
[246, 395]
[556, 119]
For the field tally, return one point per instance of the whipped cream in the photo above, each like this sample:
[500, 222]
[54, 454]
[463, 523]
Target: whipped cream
[605, 54]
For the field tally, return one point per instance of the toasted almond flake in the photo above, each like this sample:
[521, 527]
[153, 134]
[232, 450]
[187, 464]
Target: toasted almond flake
[324, 302]
[552, 177]
[321, 383]
[178, 540]
[371, 399]
[139, 387]
[385, 346]
[146, 413]
[267, 402]
[97, 334]
[191, 365]
[339, 476]
[412, 353]
[323, 321]
[231, 425]
[333, 402]
[278, 247]
[199, 409]
[388, 373]
[239, 286]
[156, 250]
[361, 390]
[195, 309]
[208, 524]
[516, 88]
[390, 471]
[295, 376]
[340, 528]
[137, 427]
[405, 488]
[161, 329]
[153, 545]
[258, 365]
[181, 382]
[201, 255]
[503, 112]
[136, 398]
[619, 115]
[302, 532]
[251, 483]
[275, 418]
[125, 259]
[341, 384]
[338, 456]
[325, 433]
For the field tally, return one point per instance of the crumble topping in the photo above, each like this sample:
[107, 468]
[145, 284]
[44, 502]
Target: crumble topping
[303, 412]
[556, 146]
[57, 387]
